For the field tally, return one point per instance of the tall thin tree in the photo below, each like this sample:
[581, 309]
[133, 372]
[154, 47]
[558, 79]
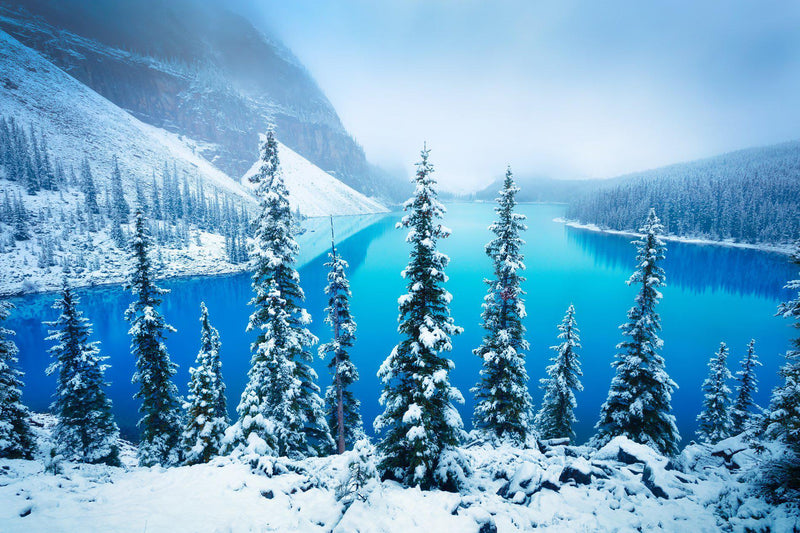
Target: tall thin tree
[504, 406]
[161, 418]
[639, 399]
[747, 386]
[341, 405]
[420, 425]
[557, 414]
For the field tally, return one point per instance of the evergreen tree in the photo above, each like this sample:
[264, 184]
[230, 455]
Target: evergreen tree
[341, 406]
[21, 232]
[744, 404]
[155, 202]
[161, 418]
[783, 422]
[141, 200]
[715, 418]
[639, 400]
[86, 430]
[88, 188]
[120, 208]
[31, 180]
[16, 438]
[207, 417]
[556, 416]
[421, 428]
[504, 406]
[280, 411]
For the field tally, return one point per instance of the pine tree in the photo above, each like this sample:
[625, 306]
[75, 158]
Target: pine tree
[207, 417]
[421, 427]
[556, 416]
[21, 231]
[341, 406]
[744, 404]
[141, 200]
[16, 438]
[161, 418]
[715, 418]
[783, 422]
[504, 406]
[280, 411]
[639, 400]
[88, 188]
[155, 202]
[86, 430]
[120, 208]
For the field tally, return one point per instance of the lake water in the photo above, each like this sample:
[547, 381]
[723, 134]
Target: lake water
[714, 294]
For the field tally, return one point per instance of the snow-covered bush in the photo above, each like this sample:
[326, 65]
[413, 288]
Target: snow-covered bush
[361, 475]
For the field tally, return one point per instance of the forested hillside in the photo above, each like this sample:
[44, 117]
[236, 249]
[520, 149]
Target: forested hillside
[748, 196]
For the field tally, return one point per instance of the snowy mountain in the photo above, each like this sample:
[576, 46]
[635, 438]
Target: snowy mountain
[198, 70]
[54, 115]
[79, 123]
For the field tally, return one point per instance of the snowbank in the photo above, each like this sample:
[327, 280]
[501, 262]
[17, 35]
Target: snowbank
[511, 489]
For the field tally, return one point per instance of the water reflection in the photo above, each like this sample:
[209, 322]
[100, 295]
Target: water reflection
[696, 267]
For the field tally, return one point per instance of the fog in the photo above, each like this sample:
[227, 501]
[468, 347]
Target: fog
[565, 89]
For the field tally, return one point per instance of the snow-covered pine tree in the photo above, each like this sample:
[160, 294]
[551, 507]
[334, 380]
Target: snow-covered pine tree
[744, 404]
[120, 209]
[88, 188]
[20, 228]
[556, 416]
[341, 406]
[16, 438]
[155, 201]
[715, 418]
[504, 406]
[280, 411]
[783, 421]
[420, 425]
[86, 431]
[639, 399]
[161, 416]
[206, 416]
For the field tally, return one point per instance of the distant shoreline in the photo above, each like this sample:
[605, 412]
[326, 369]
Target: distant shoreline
[784, 249]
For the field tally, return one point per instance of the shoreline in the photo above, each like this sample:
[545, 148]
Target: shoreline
[88, 283]
[783, 249]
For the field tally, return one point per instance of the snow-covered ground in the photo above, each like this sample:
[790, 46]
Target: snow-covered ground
[777, 248]
[621, 487]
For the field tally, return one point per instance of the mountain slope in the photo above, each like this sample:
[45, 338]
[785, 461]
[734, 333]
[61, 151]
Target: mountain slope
[48, 232]
[314, 192]
[196, 69]
[80, 123]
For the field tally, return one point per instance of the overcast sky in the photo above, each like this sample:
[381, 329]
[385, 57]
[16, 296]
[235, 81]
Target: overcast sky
[563, 89]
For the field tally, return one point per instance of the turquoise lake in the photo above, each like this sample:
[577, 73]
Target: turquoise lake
[714, 294]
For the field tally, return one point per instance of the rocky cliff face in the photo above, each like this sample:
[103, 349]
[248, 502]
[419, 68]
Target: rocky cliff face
[200, 71]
